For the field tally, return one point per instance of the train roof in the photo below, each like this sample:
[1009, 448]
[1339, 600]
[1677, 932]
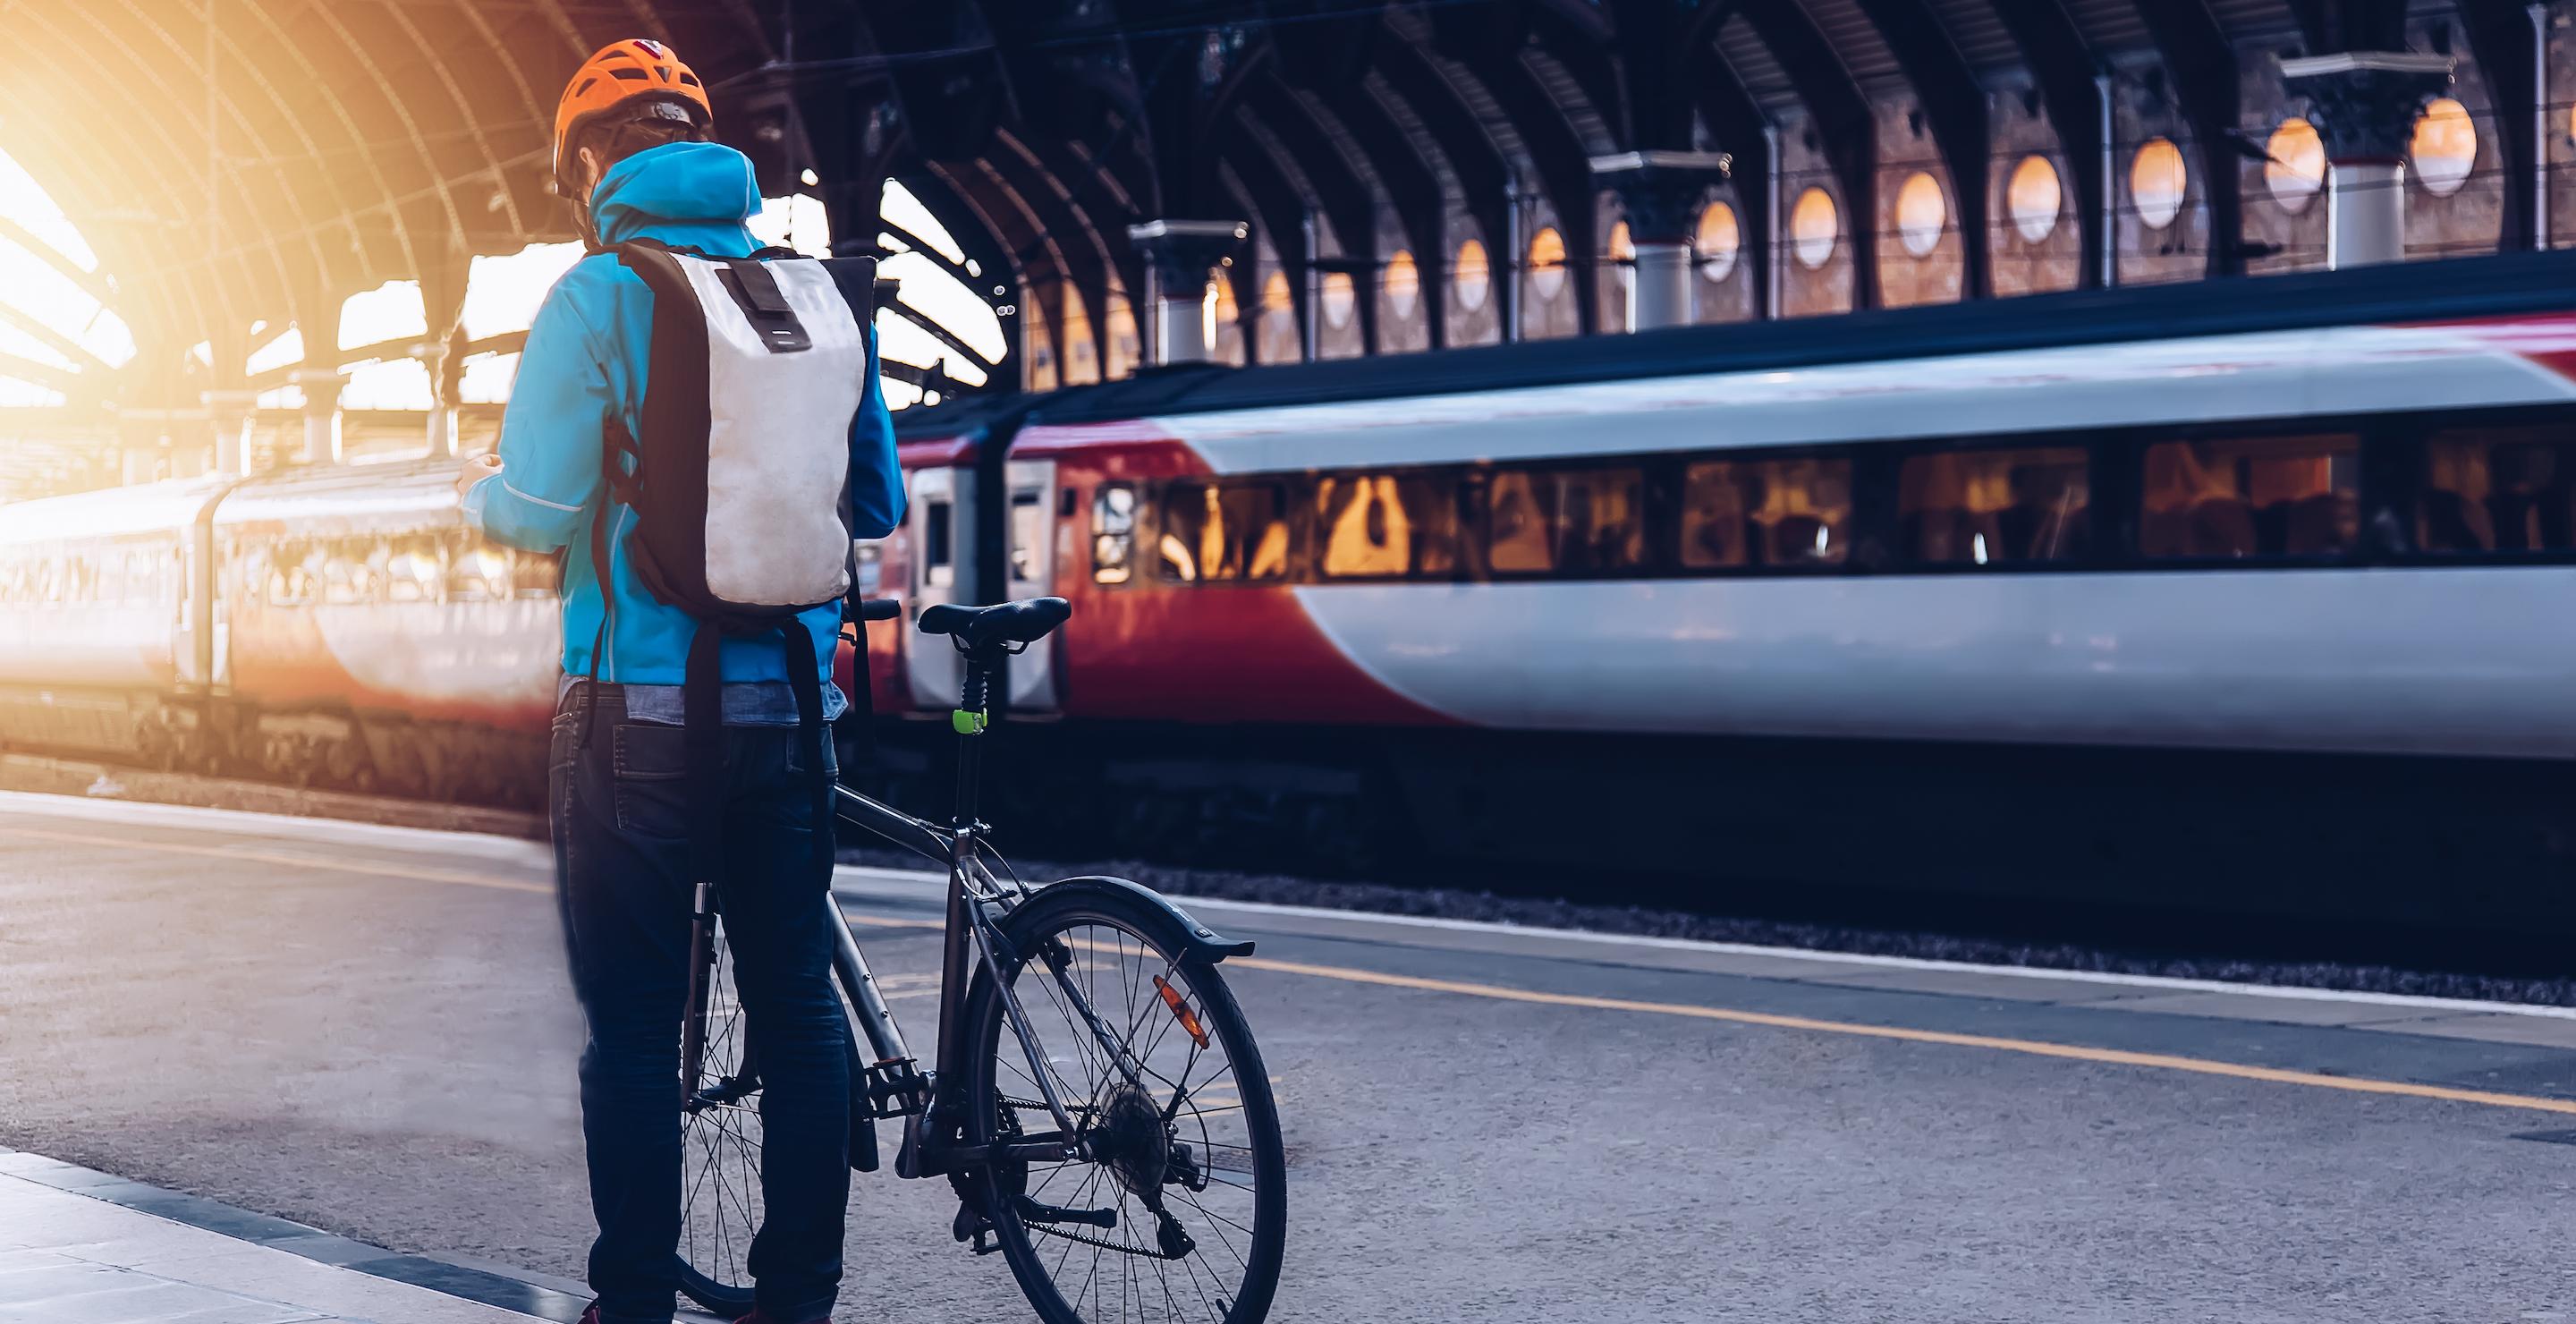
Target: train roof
[375, 495]
[2460, 289]
[111, 512]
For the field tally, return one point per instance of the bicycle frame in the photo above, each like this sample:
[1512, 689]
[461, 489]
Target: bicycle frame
[895, 1086]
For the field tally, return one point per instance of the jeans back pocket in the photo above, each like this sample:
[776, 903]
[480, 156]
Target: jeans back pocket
[650, 768]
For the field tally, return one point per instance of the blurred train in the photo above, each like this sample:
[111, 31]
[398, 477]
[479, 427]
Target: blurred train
[2250, 596]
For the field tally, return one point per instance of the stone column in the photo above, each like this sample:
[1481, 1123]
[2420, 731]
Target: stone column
[1660, 192]
[322, 444]
[1181, 254]
[229, 414]
[442, 348]
[2364, 104]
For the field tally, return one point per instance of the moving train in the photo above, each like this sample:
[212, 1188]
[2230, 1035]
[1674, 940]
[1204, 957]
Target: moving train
[2249, 596]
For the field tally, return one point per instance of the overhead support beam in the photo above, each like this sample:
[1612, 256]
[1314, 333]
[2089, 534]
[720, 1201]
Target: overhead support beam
[1484, 177]
[1842, 117]
[1738, 124]
[1412, 184]
[1954, 102]
[2202, 65]
[1660, 193]
[2077, 94]
[1564, 174]
[2365, 104]
[442, 299]
[2507, 39]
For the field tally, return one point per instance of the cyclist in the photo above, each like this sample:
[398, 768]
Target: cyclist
[633, 153]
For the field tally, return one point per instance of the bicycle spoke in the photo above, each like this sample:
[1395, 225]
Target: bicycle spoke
[1135, 1019]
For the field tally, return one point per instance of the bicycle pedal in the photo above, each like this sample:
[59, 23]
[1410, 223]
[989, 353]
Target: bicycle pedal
[969, 1226]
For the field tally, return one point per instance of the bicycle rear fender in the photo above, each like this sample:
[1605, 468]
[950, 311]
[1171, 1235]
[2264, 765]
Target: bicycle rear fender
[1180, 932]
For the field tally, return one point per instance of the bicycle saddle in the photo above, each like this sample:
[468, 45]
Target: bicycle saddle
[1022, 622]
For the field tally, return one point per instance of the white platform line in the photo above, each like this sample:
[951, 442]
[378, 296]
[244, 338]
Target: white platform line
[486, 846]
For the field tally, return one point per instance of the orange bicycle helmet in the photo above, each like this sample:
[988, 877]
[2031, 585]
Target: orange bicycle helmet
[621, 77]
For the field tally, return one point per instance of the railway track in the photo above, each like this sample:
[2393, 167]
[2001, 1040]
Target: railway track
[1896, 927]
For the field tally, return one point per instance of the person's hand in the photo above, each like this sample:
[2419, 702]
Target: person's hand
[477, 468]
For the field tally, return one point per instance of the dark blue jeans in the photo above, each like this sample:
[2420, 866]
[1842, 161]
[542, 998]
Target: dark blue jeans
[621, 832]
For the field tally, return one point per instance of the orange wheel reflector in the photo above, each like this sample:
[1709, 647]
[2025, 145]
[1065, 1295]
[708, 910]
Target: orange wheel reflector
[1189, 1018]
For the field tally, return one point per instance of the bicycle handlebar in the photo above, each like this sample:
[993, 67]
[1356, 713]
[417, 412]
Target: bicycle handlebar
[880, 609]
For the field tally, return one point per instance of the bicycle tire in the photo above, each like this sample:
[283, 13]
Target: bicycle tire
[1256, 1244]
[715, 1233]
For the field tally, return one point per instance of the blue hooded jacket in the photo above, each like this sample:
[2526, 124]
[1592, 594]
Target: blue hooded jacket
[586, 357]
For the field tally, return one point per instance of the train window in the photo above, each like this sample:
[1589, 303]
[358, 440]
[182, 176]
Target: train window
[350, 573]
[477, 571]
[1028, 535]
[1992, 507]
[1766, 513]
[1113, 533]
[868, 562]
[1386, 525]
[938, 555]
[292, 575]
[414, 570]
[1218, 532]
[536, 574]
[2257, 496]
[2498, 490]
[1572, 521]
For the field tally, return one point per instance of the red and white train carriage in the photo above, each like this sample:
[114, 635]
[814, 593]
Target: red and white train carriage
[2247, 594]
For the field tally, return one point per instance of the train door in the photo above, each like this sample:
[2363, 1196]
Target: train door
[1032, 535]
[943, 570]
[184, 618]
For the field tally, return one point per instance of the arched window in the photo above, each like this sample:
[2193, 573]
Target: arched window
[2445, 147]
[1547, 263]
[2157, 178]
[2297, 168]
[2033, 197]
[1471, 276]
[1719, 240]
[1921, 213]
[1814, 225]
[1403, 284]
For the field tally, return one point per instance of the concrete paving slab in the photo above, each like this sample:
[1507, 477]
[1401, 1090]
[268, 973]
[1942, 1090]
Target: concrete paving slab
[2494, 1028]
[83, 1260]
[2256, 1007]
[1975, 984]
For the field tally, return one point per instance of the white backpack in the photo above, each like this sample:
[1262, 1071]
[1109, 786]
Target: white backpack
[740, 482]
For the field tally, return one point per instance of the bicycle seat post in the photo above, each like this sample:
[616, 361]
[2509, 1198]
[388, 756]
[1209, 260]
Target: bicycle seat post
[973, 715]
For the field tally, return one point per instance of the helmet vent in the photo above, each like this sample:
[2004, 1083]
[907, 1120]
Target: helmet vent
[631, 75]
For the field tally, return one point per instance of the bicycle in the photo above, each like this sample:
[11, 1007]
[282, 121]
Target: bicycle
[1114, 1135]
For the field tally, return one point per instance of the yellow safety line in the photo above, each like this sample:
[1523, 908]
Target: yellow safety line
[2032, 1047]
[2108, 1056]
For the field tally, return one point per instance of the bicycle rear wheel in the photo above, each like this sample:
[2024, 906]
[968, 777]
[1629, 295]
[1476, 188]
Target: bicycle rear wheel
[1187, 1167]
[720, 1139]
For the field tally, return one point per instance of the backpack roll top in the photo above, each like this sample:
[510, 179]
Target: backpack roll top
[757, 371]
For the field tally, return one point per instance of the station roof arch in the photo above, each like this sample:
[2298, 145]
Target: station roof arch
[242, 161]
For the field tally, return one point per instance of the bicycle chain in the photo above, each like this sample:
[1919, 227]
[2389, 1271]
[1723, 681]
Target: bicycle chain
[1138, 1251]
[1085, 1239]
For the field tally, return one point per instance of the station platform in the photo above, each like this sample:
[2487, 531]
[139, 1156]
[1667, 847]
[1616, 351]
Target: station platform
[79, 1246]
[366, 1032]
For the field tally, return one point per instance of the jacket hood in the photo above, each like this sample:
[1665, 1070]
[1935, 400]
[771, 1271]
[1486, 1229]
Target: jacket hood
[674, 182]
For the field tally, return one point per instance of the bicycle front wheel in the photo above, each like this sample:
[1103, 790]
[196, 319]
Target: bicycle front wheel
[1179, 1213]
